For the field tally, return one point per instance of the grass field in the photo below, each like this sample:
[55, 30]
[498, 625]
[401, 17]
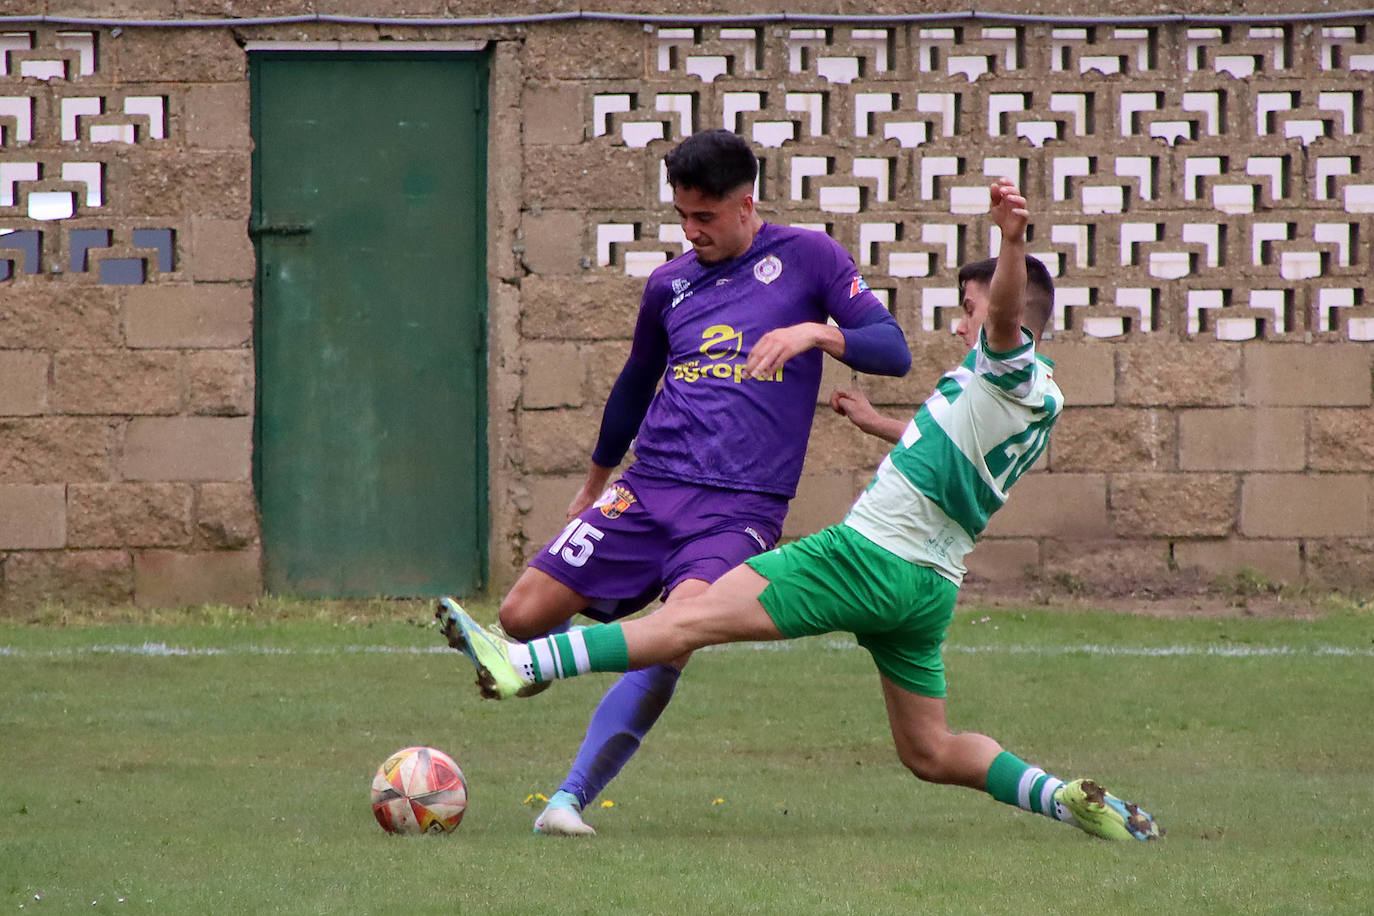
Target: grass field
[213, 762]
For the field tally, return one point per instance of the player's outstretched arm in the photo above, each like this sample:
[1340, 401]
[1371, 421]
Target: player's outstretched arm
[854, 406]
[1007, 290]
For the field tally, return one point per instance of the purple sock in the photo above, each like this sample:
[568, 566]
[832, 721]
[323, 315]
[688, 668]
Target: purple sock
[621, 720]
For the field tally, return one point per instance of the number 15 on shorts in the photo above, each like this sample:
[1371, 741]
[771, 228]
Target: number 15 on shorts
[576, 543]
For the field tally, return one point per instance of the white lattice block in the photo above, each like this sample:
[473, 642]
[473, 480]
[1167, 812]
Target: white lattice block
[154, 108]
[1077, 235]
[1267, 104]
[1064, 168]
[999, 104]
[51, 205]
[1233, 198]
[43, 69]
[1194, 169]
[603, 106]
[934, 168]
[1038, 132]
[773, 134]
[866, 104]
[83, 43]
[732, 103]
[1200, 300]
[933, 301]
[1341, 49]
[944, 234]
[1274, 301]
[1171, 132]
[1170, 265]
[643, 263]
[1325, 171]
[1236, 327]
[1263, 233]
[1141, 168]
[811, 104]
[841, 199]
[1134, 234]
[1207, 235]
[672, 234]
[13, 41]
[1274, 168]
[1358, 198]
[113, 133]
[1300, 265]
[1207, 103]
[680, 104]
[870, 234]
[1065, 298]
[909, 264]
[1104, 200]
[1141, 300]
[1361, 328]
[76, 107]
[608, 234]
[641, 133]
[806, 167]
[91, 174]
[944, 104]
[969, 201]
[20, 108]
[880, 170]
[907, 133]
[10, 174]
[1338, 234]
[1328, 301]
[1305, 129]
[1013, 167]
[1132, 103]
[1104, 326]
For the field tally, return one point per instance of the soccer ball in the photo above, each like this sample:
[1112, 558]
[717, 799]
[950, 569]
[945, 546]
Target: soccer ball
[419, 790]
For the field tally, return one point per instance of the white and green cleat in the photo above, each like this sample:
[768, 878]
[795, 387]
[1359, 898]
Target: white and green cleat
[497, 678]
[1094, 810]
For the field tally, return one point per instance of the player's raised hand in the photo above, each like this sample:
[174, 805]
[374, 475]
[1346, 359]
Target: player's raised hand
[778, 346]
[1008, 208]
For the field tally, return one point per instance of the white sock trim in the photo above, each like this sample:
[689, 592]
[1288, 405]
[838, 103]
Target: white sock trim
[1023, 788]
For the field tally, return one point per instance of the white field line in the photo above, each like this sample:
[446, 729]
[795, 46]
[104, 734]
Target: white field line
[163, 650]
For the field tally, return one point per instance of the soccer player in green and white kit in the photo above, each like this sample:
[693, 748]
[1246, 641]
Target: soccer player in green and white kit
[890, 572]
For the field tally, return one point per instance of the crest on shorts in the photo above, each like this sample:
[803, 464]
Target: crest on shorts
[768, 270]
[615, 501]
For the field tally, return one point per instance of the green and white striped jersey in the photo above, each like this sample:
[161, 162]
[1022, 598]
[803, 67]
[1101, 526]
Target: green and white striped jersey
[984, 425]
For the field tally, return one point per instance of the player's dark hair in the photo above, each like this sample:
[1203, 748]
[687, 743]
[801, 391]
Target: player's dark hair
[1039, 288]
[713, 162]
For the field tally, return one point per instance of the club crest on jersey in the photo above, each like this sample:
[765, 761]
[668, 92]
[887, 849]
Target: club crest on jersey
[856, 286]
[681, 290]
[615, 501]
[768, 270]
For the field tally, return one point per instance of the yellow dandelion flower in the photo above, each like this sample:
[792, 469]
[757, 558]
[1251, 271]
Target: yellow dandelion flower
[528, 798]
[608, 804]
[719, 801]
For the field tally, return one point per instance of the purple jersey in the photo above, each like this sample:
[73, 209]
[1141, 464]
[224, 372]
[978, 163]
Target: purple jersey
[710, 423]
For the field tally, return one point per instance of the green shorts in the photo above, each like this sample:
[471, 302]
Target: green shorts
[837, 580]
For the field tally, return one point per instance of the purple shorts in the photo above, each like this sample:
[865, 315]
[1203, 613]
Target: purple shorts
[644, 536]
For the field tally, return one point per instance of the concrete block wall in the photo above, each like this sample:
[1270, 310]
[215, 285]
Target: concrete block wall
[1204, 200]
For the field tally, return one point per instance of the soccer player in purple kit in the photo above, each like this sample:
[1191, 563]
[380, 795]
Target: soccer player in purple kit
[736, 330]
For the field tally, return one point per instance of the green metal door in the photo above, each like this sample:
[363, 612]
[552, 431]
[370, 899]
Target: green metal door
[369, 173]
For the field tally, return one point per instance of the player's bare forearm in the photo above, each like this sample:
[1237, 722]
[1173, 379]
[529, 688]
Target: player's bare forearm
[854, 406]
[1007, 289]
[781, 344]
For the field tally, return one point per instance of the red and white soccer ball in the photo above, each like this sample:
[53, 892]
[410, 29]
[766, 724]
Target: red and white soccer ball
[419, 790]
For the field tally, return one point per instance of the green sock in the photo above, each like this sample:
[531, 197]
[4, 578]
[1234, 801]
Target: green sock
[596, 648]
[1012, 781]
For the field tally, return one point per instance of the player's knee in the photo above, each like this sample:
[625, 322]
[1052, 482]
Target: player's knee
[520, 617]
[926, 760]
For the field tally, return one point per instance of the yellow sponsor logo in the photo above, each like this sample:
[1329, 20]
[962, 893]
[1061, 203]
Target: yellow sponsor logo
[719, 342]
